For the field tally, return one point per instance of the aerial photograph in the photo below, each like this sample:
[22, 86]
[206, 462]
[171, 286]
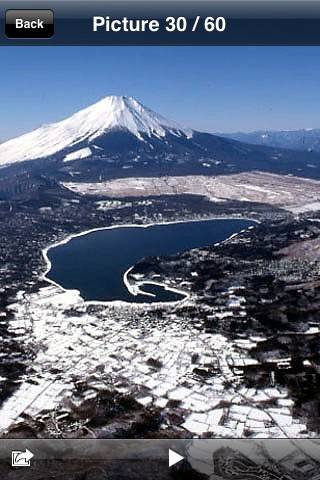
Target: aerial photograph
[160, 243]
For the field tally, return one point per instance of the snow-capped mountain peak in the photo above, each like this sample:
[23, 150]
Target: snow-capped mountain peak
[128, 113]
[110, 113]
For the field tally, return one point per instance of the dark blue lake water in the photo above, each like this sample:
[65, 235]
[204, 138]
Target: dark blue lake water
[95, 263]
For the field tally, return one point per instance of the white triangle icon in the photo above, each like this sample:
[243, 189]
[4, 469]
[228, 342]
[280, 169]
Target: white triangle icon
[174, 457]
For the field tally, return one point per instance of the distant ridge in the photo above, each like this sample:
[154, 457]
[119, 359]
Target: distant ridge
[307, 139]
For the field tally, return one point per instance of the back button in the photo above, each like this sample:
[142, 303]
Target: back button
[29, 24]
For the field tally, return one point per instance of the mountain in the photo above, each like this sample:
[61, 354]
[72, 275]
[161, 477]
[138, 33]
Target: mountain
[307, 139]
[108, 115]
[120, 137]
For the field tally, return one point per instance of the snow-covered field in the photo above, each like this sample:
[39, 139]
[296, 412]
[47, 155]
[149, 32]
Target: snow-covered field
[291, 193]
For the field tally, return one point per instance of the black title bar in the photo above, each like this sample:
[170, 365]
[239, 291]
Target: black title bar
[275, 22]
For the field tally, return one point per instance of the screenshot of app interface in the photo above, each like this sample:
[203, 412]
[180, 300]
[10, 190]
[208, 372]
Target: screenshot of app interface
[159, 240]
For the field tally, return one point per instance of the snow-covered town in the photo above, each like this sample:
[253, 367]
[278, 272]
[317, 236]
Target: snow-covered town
[118, 347]
[172, 360]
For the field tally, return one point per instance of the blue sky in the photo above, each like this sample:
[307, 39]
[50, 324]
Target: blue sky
[207, 88]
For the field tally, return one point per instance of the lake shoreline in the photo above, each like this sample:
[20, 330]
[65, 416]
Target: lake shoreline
[132, 290]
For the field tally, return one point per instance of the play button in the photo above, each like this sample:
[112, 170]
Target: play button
[174, 457]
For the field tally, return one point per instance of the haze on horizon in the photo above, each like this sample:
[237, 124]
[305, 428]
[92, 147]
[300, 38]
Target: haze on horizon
[215, 89]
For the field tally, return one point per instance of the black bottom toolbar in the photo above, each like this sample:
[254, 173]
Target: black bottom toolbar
[160, 459]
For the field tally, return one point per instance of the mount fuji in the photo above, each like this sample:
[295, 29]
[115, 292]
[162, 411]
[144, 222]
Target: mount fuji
[118, 136]
[84, 127]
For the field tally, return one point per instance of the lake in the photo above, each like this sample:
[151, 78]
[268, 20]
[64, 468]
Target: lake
[94, 263]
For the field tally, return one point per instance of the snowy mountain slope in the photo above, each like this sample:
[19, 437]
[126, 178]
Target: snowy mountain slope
[306, 139]
[110, 113]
